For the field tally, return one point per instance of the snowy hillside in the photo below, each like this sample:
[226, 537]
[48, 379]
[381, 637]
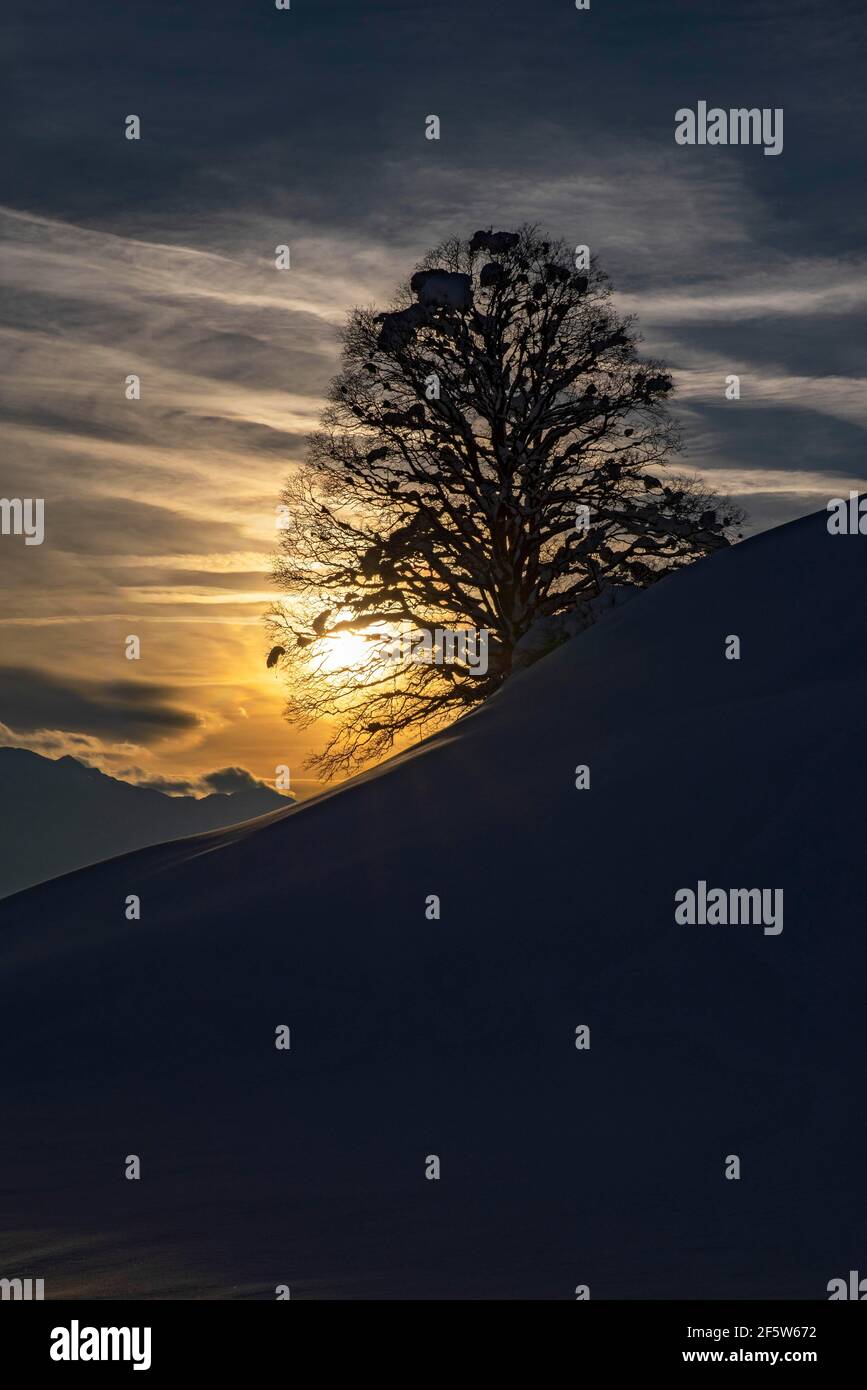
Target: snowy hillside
[456, 1037]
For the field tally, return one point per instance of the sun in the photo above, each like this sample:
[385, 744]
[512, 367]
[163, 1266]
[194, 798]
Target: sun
[345, 651]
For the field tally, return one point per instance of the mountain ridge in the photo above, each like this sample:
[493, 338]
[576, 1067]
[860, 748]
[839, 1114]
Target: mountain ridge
[58, 815]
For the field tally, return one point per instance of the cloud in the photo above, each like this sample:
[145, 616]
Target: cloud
[225, 781]
[32, 701]
[842, 398]
[803, 288]
[234, 356]
[54, 743]
[122, 526]
[179, 786]
[231, 779]
[156, 259]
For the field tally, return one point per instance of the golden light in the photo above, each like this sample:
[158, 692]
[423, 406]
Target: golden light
[345, 651]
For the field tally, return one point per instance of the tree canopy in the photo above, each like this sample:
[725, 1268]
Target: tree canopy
[493, 457]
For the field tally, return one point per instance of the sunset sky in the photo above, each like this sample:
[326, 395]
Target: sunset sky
[306, 127]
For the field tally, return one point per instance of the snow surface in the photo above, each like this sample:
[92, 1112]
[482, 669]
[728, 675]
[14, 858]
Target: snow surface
[456, 1038]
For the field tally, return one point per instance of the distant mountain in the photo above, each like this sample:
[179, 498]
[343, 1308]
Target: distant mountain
[60, 815]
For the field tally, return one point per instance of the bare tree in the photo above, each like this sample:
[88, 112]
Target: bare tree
[488, 460]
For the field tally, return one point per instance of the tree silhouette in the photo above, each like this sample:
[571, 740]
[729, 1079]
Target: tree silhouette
[488, 461]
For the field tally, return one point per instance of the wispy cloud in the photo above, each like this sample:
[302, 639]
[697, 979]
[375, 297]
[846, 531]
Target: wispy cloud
[160, 512]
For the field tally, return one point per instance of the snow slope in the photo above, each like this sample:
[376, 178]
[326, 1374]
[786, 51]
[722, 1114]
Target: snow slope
[456, 1037]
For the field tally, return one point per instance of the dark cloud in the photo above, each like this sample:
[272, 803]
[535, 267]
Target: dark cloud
[793, 439]
[169, 429]
[170, 785]
[836, 340]
[239, 100]
[227, 781]
[317, 139]
[168, 578]
[238, 436]
[32, 700]
[231, 779]
[121, 526]
[52, 420]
